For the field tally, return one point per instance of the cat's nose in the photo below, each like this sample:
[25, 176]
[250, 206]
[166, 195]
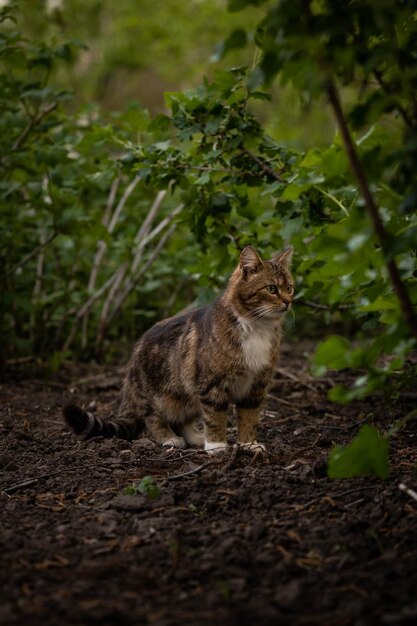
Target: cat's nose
[287, 304]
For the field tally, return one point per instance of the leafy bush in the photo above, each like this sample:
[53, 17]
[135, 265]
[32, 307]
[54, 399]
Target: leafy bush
[361, 253]
[78, 232]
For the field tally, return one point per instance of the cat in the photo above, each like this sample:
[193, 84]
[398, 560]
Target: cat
[190, 367]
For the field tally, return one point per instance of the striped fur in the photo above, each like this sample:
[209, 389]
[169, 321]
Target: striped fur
[191, 367]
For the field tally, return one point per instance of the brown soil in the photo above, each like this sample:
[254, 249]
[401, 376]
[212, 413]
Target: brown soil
[234, 540]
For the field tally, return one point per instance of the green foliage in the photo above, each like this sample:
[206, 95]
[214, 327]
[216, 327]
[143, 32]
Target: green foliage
[368, 47]
[71, 213]
[366, 454]
[146, 486]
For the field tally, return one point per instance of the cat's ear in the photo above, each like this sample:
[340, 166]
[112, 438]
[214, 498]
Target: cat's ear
[250, 262]
[284, 258]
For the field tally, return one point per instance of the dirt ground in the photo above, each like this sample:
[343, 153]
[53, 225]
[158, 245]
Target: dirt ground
[230, 540]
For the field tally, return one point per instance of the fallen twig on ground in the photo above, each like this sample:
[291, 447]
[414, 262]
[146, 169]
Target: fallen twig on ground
[195, 470]
[294, 378]
[408, 491]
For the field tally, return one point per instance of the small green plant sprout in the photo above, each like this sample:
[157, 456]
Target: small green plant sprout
[367, 454]
[146, 486]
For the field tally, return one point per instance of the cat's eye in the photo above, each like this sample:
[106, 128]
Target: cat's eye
[272, 288]
[290, 288]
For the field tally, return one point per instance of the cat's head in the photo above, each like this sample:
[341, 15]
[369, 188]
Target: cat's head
[262, 289]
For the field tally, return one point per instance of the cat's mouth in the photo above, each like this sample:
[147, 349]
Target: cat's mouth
[279, 311]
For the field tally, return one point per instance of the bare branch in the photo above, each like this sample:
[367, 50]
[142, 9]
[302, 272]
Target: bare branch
[86, 307]
[389, 90]
[408, 491]
[101, 249]
[149, 237]
[31, 254]
[134, 280]
[119, 208]
[102, 244]
[147, 222]
[33, 122]
[323, 307]
[399, 288]
[267, 169]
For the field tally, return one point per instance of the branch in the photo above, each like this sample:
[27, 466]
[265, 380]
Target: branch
[142, 238]
[139, 250]
[115, 300]
[389, 90]
[33, 122]
[323, 307]
[101, 249]
[133, 281]
[399, 288]
[102, 245]
[31, 254]
[148, 221]
[264, 167]
[408, 491]
[125, 197]
[85, 307]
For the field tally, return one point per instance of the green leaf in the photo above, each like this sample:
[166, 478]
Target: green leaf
[333, 353]
[160, 123]
[366, 455]
[148, 487]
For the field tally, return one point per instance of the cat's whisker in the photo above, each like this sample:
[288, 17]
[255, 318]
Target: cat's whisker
[261, 311]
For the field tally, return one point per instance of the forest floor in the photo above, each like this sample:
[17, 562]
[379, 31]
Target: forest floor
[231, 540]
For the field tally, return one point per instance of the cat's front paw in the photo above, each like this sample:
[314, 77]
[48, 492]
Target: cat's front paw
[174, 442]
[214, 447]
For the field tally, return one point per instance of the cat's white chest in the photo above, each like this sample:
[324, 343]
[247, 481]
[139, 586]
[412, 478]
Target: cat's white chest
[257, 342]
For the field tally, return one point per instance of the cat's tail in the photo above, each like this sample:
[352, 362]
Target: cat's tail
[86, 425]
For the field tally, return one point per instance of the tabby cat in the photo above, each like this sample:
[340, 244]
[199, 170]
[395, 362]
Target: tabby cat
[192, 366]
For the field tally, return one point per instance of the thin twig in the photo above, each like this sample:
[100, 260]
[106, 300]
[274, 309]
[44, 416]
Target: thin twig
[18, 486]
[233, 457]
[294, 378]
[142, 238]
[31, 481]
[195, 470]
[390, 90]
[120, 206]
[33, 122]
[86, 307]
[149, 237]
[148, 221]
[324, 307]
[408, 491]
[102, 245]
[31, 254]
[134, 280]
[346, 428]
[341, 494]
[264, 167]
[381, 233]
